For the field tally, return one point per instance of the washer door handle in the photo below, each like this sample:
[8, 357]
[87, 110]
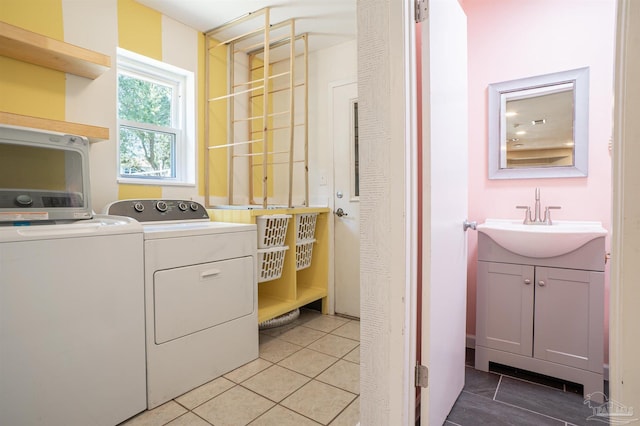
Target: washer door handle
[210, 273]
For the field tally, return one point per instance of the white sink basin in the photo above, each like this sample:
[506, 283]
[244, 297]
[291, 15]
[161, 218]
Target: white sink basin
[541, 240]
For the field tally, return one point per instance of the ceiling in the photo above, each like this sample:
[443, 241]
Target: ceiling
[328, 22]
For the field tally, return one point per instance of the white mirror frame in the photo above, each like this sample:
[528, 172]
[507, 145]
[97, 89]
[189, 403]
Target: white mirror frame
[497, 91]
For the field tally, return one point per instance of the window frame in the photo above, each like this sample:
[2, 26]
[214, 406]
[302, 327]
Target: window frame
[182, 116]
[354, 141]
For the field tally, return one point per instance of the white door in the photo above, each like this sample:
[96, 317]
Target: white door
[444, 191]
[345, 198]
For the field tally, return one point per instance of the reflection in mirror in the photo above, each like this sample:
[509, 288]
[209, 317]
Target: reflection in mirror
[538, 126]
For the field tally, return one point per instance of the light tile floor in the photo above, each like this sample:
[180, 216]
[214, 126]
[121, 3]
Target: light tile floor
[308, 373]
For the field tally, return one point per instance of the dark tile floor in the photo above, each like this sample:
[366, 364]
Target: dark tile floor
[506, 396]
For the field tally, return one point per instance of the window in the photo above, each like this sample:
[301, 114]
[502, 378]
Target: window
[355, 152]
[156, 122]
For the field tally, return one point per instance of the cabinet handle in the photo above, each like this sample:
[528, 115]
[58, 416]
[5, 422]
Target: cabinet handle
[541, 283]
[527, 281]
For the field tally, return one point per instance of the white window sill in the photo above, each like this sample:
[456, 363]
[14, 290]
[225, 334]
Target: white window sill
[154, 182]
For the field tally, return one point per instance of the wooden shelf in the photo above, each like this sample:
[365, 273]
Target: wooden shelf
[93, 133]
[310, 294]
[271, 307]
[247, 214]
[295, 288]
[27, 46]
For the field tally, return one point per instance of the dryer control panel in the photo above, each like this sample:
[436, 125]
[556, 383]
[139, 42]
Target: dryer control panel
[150, 210]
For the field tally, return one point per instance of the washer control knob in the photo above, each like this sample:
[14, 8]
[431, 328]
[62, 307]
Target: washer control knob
[24, 200]
[194, 206]
[182, 206]
[138, 206]
[161, 206]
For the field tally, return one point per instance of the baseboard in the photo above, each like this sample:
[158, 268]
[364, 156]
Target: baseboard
[471, 343]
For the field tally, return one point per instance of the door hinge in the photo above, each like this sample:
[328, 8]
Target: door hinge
[422, 10]
[422, 376]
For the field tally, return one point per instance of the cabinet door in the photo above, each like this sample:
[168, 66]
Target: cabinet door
[569, 317]
[504, 318]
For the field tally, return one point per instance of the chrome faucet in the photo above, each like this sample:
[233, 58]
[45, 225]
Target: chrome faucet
[537, 219]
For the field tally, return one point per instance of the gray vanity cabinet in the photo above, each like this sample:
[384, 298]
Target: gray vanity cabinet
[569, 317]
[504, 307]
[542, 314]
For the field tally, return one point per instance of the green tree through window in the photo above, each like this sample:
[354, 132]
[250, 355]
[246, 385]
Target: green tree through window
[156, 121]
[145, 151]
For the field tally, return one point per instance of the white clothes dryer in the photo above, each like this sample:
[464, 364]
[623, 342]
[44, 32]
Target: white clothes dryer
[200, 294]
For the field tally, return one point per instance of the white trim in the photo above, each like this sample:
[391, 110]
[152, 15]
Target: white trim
[616, 272]
[470, 341]
[411, 208]
[160, 67]
[150, 181]
[183, 116]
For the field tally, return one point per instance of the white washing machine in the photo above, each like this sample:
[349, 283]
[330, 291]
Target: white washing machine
[200, 294]
[72, 323]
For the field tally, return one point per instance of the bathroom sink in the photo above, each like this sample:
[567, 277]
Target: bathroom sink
[541, 240]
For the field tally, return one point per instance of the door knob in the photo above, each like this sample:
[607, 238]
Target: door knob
[341, 213]
[527, 281]
[467, 224]
[541, 283]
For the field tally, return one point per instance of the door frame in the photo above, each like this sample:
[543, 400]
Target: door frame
[624, 349]
[388, 210]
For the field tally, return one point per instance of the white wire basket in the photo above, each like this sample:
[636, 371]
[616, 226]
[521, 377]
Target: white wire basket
[272, 230]
[270, 262]
[304, 251]
[306, 226]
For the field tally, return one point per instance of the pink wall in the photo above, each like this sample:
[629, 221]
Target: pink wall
[511, 39]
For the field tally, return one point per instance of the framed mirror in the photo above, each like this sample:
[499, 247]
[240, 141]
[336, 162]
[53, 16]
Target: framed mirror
[538, 126]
